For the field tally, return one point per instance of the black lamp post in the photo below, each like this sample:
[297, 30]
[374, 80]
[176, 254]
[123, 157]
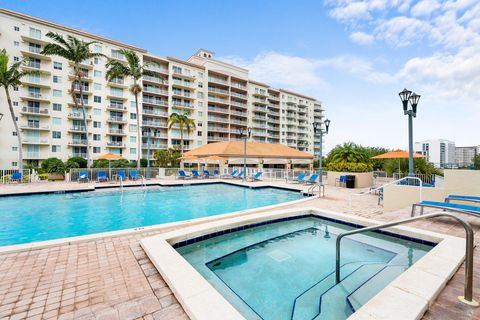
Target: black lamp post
[317, 127]
[408, 97]
[245, 136]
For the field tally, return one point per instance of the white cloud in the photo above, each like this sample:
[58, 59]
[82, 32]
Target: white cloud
[402, 31]
[425, 7]
[352, 10]
[362, 38]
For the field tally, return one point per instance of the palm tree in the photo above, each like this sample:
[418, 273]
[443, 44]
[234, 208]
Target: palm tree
[76, 51]
[184, 123]
[134, 69]
[11, 77]
[348, 152]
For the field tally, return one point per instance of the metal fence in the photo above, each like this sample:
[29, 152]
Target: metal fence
[28, 176]
[426, 178]
[147, 173]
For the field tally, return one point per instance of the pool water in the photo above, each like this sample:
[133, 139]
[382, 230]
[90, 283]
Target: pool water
[285, 270]
[32, 218]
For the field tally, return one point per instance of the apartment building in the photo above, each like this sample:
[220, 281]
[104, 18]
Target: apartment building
[220, 97]
[464, 155]
[440, 152]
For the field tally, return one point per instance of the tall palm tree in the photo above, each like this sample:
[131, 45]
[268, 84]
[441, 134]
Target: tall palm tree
[76, 51]
[10, 76]
[134, 69]
[184, 123]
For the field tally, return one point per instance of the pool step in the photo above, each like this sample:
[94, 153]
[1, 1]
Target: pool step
[369, 289]
[333, 303]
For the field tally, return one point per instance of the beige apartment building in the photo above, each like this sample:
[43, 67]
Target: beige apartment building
[220, 97]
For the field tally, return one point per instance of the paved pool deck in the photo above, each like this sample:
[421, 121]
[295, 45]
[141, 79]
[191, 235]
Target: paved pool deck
[112, 278]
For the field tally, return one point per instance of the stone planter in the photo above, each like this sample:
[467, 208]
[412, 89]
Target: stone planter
[55, 176]
[362, 179]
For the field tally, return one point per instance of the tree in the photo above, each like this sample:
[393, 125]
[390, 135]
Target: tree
[53, 165]
[184, 123]
[476, 162]
[10, 77]
[349, 152]
[134, 69]
[81, 162]
[167, 158]
[76, 51]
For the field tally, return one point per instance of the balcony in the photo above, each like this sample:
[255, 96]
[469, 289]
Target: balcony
[274, 98]
[238, 95]
[217, 128]
[238, 104]
[218, 91]
[85, 89]
[35, 111]
[157, 102]
[116, 96]
[261, 93]
[116, 144]
[35, 141]
[155, 113]
[156, 68]
[179, 104]
[239, 113]
[183, 74]
[155, 146]
[78, 154]
[155, 80]
[218, 138]
[35, 155]
[35, 66]
[155, 90]
[77, 142]
[218, 110]
[238, 86]
[260, 109]
[218, 80]
[155, 124]
[116, 132]
[117, 119]
[260, 101]
[34, 96]
[273, 128]
[118, 83]
[34, 126]
[77, 128]
[218, 119]
[33, 80]
[117, 107]
[185, 95]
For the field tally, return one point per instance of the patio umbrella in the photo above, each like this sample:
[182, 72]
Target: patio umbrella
[397, 154]
[110, 157]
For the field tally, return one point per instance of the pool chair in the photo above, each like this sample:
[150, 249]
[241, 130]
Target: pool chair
[16, 177]
[102, 176]
[196, 175]
[256, 177]
[299, 179]
[134, 175]
[312, 179]
[240, 175]
[183, 175]
[207, 174]
[83, 177]
[446, 206]
[230, 175]
[121, 174]
[216, 173]
[341, 180]
[462, 198]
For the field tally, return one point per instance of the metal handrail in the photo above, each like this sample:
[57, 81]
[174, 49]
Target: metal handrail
[468, 291]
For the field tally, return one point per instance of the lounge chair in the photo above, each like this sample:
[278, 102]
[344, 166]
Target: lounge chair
[446, 206]
[341, 180]
[195, 174]
[216, 173]
[206, 174]
[183, 175]
[240, 175]
[256, 177]
[312, 179]
[134, 175]
[462, 198]
[121, 174]
[300, 178]
[16, 177]
[83, 177]
[102, 176]
[230, 175]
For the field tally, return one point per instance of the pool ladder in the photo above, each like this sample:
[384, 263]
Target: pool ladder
[467, 298]
[321, 190]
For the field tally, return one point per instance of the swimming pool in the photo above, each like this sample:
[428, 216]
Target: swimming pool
[25, 219]
[285, 269]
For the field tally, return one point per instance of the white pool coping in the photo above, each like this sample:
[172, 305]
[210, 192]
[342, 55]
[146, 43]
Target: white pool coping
[157, 227]
[406, 297]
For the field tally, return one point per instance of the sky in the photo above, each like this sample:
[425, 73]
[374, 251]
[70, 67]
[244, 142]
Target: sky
[354, 56]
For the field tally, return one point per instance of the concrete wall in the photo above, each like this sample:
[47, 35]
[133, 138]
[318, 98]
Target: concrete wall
[462, 182]
[362, 179]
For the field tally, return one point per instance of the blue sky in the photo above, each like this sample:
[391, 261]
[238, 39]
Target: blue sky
[353, 55]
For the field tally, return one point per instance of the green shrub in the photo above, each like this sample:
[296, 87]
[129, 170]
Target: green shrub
[53, 165]
[343, 166]
[81, 162]
[42, 176]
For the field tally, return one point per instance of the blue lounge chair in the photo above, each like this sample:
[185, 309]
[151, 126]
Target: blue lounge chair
[231, 175]
[206, 174]
[83, 177]
[195, 174]
[16, 177]
[240, 175]
[134, 175]
[299, 179]
[121, 174]
[216, 173]
[341, 180]
[102, 176]
[183, 175]
[462, 198]
[256, 177]
[312, 179]
[446, 206]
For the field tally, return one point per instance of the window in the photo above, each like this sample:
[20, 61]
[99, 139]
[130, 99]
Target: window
[15, 103]
[199, 143]
[97, 99]
[97, 60]
[117, 54]
[57, 65]
[133, 151]
[57, 93]
[56, 121]
[96, 149]
[117, 92]
[200, 113]
[15, 28]
[97, 111]
[57, 79]
[96, 137]
[132, 128]
[57, 107]
[16, 43]
[133, 116]
[14, 164]
[16, 59]
[14, 133]
[15, 88]
[97, 48]
[200, 74]
[200, 84]
[97, 86]
[14, 148]
[133, 139]
[200, 95]
[56, 135]
[56, 148]
[200, 123]
[199, 133]
[97, 73]
[97, 124]
[35, 33]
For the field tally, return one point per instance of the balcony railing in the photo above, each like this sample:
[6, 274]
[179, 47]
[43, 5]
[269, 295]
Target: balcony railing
[78, 154]
[84, 88]
[34, 110]
[117, 81]
[215, 99]
[217, 128]
[116, 131]
[220, 119]
[117, 119]
[155, 112]
[238, 85]
[238, 95]
[79, 142]
[155, 101]
[34, 49]
[33, 125]
[215, 109]
[36, 95]
[155, 124]
[117, 107]
[238, 104]
[238, 113]
[115, 144]
[218, 90]
[182, 83]
[155, 79]
[217, 138]
[218, 80]
[182, 104]
[155, 146]
[155, 90]
[32, 64]
[35, 141]
[78, 128]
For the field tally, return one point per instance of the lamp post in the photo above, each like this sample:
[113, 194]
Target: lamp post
[245, 136]
[407, 97]
[317, 127]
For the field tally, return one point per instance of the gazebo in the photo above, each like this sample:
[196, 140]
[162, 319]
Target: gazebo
[258, 154]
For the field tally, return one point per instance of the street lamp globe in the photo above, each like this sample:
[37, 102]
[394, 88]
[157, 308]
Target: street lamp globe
[404, 96]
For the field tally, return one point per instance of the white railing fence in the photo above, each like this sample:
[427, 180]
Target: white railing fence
[147, 173]
[28, 176]
[426, 178]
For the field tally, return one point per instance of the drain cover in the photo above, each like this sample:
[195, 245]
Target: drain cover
[278, 255]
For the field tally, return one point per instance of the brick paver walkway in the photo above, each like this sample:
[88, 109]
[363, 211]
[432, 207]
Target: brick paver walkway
[112, 278]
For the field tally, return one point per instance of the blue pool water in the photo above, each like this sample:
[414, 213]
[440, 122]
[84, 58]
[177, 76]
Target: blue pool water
[25, 219]
[285, 270]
